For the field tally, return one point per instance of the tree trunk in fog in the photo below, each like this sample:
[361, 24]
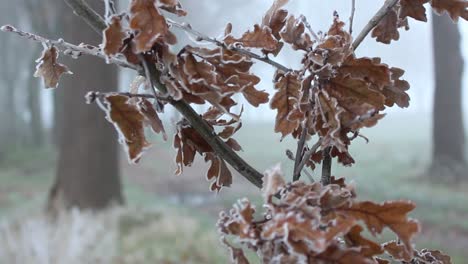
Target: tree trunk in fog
[34, 106]
[448, 160]
[88, 171]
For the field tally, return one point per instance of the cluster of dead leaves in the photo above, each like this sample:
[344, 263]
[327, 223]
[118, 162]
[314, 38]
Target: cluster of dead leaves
[397, 17]
[311, 223]
[188, 142]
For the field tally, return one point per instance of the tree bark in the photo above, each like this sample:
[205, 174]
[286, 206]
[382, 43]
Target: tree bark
[35, 110]
[88, 172]
[448, 156]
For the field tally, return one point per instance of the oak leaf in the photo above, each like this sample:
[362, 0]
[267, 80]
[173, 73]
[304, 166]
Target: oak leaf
[455, 8]
[49, 69]
[152, 117]
[149, 24]
[129, 123]
[172, 6]
[114, 36]
[294, 33]
[414, 9]
[286, 100]
[388, 214]
[387, 29]
[261, 37]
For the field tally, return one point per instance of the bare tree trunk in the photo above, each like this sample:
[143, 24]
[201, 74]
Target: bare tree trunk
[34, 106]
[448, 160]
[88, 171]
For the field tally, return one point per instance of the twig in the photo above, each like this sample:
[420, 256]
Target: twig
[298, 158]
[389, 4]
[351, 18]
[202, 37]
[68, 48]
[221, 148]
[309, 27]
[326, 167]
[308, 154]
[91, 17]
[94, 94]
[290, 156]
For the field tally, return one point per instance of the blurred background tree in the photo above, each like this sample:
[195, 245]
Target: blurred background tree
[448, 152]
[88, 164]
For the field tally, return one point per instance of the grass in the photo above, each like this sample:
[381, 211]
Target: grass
[391, 166]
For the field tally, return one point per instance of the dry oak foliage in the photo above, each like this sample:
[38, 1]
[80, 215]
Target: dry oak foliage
[49, 69]
[387, 29]
[331, 96]
[311, 223]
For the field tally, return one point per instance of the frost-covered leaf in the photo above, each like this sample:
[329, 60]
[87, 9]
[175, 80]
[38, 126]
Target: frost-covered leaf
[172, 6]
[128, 120]
[261, 37]
[286, 102]
[149, 24]
[114, 36]
[152, 117]
[49, 69]
[455, 8]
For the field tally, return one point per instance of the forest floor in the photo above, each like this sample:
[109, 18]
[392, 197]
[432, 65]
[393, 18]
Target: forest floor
[391, 166]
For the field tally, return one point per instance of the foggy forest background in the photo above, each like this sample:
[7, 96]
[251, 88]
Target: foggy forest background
[51, 137]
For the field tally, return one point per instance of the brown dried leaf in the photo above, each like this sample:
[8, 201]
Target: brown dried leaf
[275, 18]
[293, 34]
[414, 9]
[433, 257]
[341, 255]
[114, 36]
[387, 29]
[49, 69]
[237, 254]
[455, 8]
[152, 117]
[261, 38]
[172, 6]
[286, 101]
[366, 69]
[218, 172]
[254, 96]
[273, 182]
[149, 24]
[129, 123]
[398, 251]
[355, 239]
[234, 144]
[388, 214]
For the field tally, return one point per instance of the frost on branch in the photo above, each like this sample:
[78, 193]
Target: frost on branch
[311, 223]
[49, 69]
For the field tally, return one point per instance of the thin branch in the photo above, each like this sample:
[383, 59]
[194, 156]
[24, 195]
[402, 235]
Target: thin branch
[91, 17]
[202, 37]
[290, 156]
[309, 27]
[389, 4]
[308, 154]
[326, 167]
[68, 48]
[298, 158]
[351, 18]
[221, 148]
[94, 94]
